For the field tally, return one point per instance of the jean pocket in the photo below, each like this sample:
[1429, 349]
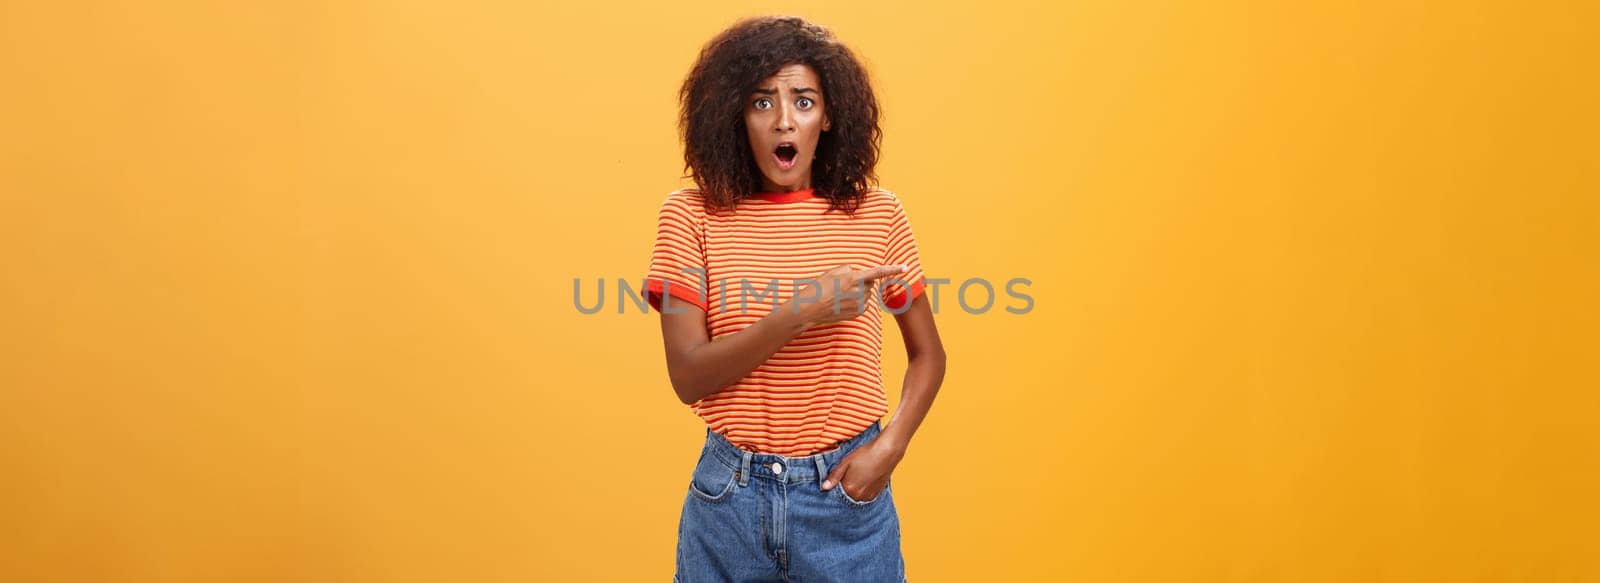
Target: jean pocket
[712, 480]
[854, 503]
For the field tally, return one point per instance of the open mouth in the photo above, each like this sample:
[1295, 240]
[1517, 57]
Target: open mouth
[785, 153]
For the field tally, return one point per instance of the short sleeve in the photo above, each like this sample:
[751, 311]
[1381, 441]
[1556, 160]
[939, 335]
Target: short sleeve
[900, 290]
[678, 260]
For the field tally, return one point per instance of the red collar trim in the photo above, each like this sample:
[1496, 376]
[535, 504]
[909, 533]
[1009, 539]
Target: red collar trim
[786, 196]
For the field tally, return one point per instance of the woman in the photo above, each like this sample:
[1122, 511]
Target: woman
[771, 278]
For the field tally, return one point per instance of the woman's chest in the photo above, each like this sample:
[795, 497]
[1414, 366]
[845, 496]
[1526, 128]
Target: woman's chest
[789, 247]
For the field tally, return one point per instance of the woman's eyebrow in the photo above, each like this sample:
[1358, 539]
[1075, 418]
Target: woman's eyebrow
[760, 91]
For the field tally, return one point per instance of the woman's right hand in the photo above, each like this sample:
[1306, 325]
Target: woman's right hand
[838, 294]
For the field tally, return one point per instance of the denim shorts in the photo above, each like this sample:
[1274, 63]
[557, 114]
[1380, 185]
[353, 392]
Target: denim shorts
[764, 517]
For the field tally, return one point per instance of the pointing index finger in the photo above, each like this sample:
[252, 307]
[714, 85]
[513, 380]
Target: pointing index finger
[880, 271]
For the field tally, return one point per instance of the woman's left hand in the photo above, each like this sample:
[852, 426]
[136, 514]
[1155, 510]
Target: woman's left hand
[865, 471]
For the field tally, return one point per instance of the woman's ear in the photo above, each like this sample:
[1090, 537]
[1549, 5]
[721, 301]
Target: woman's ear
[826, 123]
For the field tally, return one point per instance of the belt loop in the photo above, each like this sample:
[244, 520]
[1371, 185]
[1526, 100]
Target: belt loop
[822, 467]
[744, 469]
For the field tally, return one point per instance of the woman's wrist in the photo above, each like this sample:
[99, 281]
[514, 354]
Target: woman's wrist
[791, 318]
[892, 442]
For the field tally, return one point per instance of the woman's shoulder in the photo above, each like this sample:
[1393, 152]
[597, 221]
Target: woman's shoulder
[686, 194]
[687, 199]
[880, 197]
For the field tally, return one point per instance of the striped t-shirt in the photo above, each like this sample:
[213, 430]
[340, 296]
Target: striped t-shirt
[826, 384]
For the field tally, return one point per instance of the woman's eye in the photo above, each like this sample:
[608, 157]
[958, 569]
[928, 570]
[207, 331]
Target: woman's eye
[763, 103]
[804, 103]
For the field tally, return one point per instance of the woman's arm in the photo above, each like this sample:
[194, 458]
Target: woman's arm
[924, 374]
[869, 466]
[699, 366]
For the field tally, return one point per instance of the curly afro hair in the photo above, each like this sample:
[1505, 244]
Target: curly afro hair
[716, 149]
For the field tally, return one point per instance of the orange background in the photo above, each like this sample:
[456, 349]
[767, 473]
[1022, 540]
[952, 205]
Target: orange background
[288, 289]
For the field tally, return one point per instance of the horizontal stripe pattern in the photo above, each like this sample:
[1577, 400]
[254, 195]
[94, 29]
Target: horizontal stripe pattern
[825, 385]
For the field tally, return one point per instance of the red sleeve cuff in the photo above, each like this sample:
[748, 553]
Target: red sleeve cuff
[902, 298]
[655, 289]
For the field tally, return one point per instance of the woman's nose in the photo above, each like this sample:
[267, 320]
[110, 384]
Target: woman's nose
[785, 118]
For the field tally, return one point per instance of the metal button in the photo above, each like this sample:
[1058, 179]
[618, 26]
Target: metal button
[777, 468]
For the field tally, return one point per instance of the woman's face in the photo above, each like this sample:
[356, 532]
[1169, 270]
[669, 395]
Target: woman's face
[784, 118]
